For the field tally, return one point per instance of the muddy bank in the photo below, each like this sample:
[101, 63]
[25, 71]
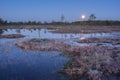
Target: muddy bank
[12, 36]
[93, 62]
[99, 40]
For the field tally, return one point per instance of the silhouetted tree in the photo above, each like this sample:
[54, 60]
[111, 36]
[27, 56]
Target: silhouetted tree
[62, 18]
[92, 17]
[5, 22]
[45, 22]
[1, 31]
[39, 22]
[29, 22]
[1, 21]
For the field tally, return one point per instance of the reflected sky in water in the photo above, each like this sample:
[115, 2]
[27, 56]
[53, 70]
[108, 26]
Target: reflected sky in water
[19, 64]
[44, 33]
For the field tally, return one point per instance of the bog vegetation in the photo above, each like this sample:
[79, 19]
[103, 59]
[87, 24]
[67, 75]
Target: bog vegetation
[90, 21]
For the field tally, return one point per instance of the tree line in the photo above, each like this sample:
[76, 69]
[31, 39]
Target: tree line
[91, 21]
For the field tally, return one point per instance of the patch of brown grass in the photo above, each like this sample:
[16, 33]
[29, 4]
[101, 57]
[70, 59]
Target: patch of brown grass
[87, 29]
[92, 61]
[12, 36]
[99, 40]
[43, 44]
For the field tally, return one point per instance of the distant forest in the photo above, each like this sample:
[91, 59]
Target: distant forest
[88, 22]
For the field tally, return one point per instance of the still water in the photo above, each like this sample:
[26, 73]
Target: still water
[20, 64]
[44, 33]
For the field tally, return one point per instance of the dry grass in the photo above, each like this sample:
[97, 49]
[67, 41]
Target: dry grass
[43, 44]
[91, 61]
[99, 40]
[87, 29]
[12, 36]
[67, 28]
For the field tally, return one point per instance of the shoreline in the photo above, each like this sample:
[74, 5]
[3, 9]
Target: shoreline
[90, 61]
[67, 28]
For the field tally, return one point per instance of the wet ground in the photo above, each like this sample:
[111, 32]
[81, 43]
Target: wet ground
[19, 64]
[45, 33]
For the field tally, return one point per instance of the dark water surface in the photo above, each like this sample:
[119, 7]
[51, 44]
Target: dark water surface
[18, 64]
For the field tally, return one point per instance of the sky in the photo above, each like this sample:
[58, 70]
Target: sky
[51, 10]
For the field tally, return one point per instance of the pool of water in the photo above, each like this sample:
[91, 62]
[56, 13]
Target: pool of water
[44, 33]
[20, 64]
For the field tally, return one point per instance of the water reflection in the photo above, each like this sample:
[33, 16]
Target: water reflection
[18, 31]
[39, 32]
[18, 64]
[44, 33]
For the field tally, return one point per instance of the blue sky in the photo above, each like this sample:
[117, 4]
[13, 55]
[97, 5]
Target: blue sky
[49, 10]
